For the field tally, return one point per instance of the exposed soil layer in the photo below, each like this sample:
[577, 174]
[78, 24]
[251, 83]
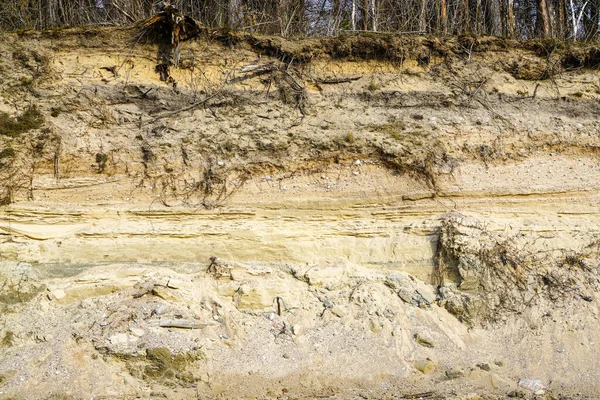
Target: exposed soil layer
[369, 216]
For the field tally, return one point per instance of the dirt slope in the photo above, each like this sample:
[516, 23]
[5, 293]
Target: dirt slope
[386, 216]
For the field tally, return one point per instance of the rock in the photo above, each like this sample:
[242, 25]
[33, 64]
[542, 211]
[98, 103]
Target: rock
[44, 306]
[428, 294]
[374, 326]
[121, 338]
[516, 394]
[260, 295]
[423, 341]
[484, 366]
[329, 277]
[405, 295]
[137, 331]
[531, 384]
[338, 311]
[453, 374]
[297, 329]
[165, 294]
[425, 366]
[57, 294]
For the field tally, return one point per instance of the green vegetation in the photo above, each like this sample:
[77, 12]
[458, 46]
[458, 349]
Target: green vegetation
[31, 118]
[8, 340]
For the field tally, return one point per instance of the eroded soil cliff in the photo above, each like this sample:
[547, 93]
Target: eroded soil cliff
[362, 217]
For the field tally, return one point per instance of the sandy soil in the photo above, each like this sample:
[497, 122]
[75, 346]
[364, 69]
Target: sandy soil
[335, 223]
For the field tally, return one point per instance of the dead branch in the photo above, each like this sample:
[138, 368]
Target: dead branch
[335, 81]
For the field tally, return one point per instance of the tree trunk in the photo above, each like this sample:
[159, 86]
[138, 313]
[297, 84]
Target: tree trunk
[365, 15]
[492, 19]
[443, 17]
[464, 23]
[234, 13]
[561, 19]
[542, 19]
[510, 33]
[353, 15]
[423, 17]
[337, 14]
[374, 15]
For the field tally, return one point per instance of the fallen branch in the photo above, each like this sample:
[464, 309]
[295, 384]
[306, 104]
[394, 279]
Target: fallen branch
[335, 81]
[180, 323]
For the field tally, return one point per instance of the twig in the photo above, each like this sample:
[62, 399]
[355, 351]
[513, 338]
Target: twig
[129, 17]
[424, 395]
[184, 109]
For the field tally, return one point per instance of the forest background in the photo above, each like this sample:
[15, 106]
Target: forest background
[518, 19]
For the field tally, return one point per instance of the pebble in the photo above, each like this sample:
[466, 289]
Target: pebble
[425, 366]
[338, 311]
[297, 329]
[453, 374]
[374, 326]
[423, 341]
[484, 366]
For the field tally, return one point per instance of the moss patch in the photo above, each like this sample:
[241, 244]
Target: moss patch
[162, 365]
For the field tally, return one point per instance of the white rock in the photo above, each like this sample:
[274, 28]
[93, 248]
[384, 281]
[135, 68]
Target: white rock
[137, 331]
[57, 294]
[297, 329]
[122, 338]
[338, 311]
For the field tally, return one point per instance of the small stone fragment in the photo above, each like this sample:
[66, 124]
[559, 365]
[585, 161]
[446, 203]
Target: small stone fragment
[57, 294]
[374, 326]
[532, 384]
[297, 329]
[165, 294]
[121, 338]
[425, 366]
[453, 374]
[423, 341]
[484, 366]
[338, 311]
